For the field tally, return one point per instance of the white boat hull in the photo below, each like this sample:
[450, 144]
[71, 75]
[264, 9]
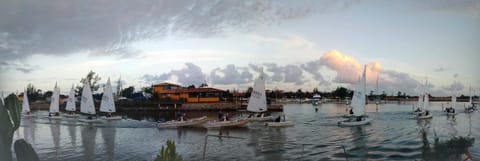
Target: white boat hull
[266, 118]
[354, 123]
[220, 124]
[89, 120]
[71, 115]
[280, 124]
[451, 114]
[113, 118]
[350, 116]
[188, 123]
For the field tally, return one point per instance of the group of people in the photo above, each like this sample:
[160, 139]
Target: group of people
[180, 116]
[222, 117]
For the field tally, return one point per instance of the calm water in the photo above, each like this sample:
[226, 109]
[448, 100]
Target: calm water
[393, 135]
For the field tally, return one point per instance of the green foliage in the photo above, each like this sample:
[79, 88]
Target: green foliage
[169, 153]
[34, 93]
[451, 149]
[9, 122]
[24, 151]
[127, 92]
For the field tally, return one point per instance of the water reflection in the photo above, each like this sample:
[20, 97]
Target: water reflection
[89, 134]
[72, 131]
[108, 135]
[55, 131]
[359, 141]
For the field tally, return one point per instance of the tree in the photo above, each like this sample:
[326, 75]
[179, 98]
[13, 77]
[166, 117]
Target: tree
[33, 93]
[127, 92]
[92, 78]
[191, 86]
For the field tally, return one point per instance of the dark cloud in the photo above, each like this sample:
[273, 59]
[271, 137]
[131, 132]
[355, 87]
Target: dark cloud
[293, 74]
[231, 75]
[191, 74]
[24, 68]
[313, 67]
[398, 81]
[57, 27]
[455, 75]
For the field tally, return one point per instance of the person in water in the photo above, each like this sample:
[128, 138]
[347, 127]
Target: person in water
[109, 114]
[57, 114]
[278, 119]
[351, 111]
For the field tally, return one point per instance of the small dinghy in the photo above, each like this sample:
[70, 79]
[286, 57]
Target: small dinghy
[354, 122]
[220, 124]
[183, 123]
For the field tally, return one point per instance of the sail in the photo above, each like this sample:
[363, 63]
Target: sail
[87, 106]
[71, 101]
[3, 97]
[470, 91]
[107, 104]
[25, 105]
[258, 100]
[359, 96]
[454, 101]
[426, 96]
[54, 100]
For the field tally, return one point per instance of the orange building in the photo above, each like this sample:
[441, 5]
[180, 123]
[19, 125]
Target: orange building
[190, 95]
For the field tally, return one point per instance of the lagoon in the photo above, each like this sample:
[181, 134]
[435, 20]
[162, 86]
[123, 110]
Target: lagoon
[394, 134]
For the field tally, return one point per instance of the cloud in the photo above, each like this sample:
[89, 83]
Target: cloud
[455, 86]
[231, 75]
[398, 81]
[109, 27]
[348, 69]
[24, 68]
[455, 75]
[191, 74]
[440, 69]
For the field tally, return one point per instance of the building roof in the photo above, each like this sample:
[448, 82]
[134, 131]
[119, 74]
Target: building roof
[193, 90]
[166, 84]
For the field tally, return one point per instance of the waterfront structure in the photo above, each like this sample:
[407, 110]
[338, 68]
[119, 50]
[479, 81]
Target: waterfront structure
[176, 92]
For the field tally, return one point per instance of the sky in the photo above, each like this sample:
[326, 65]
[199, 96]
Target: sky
[300, 44]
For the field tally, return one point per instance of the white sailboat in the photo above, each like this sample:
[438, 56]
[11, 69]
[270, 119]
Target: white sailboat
[358, 104]
[257, 103]
[425, 114]
[70, 107]
[472, 106]
[25, 104]
[54, 111]
[451, 110]
[86, 105]
[108, 104]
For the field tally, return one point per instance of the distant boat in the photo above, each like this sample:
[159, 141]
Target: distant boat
[257, 103]
[358, 104]
[86, 105]
[54, 111]
[25, 104]
[70, 107]
[451, 109]
[183, 123]
[425, 110]
[108, 104]
[472, 106]
[316, 99]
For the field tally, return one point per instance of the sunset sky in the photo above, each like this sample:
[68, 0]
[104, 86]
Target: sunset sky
[298, 44]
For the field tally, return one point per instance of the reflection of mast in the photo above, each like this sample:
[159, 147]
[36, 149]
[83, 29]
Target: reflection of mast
[88, 142]
[73, 134]
[55, 129]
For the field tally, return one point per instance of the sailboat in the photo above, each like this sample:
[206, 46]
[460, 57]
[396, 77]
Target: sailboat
[70, 108]
[86, 104]
[377, 96]
[425, 113]
[54, 111]
[108, 104]
[358, 104]
[471, 105]
[257, 102]
[25, 104]
[451, 110]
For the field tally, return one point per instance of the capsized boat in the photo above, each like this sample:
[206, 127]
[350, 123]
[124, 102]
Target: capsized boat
[358, 104]
[183, 123]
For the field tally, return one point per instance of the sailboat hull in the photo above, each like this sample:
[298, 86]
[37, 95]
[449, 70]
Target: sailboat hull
[354, 123]
[70, 115]
[220, 124]
[89, 120]
[189, 123]
[260, 119]
[113, 118]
